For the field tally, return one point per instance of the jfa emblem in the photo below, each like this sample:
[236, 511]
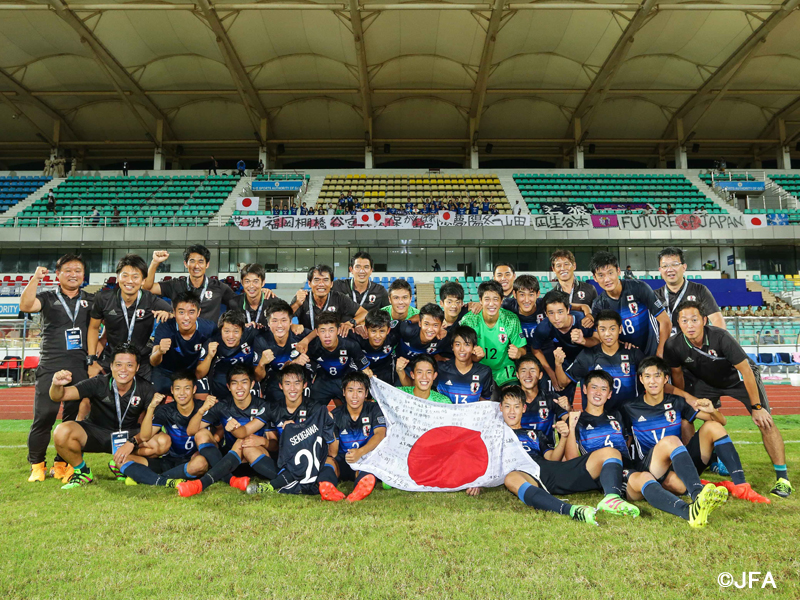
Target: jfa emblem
[387, 349]
[616, 426]
[139, 313]
[135, 400]
[691, 298]
[503, 338]
[198, 347]
[633, 307]
[84, 304]
[209, 294]
[581, 294]
[343, 360]
[432, 348]
[474, 387]
[626, 368]
[366, 429]
[539, 319]
[543, 413]
[371, 298]
[712, 352]
[331, 309]
[671, 415]
[532, 434]
[245, 348]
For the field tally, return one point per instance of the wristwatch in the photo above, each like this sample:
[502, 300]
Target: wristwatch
[756, 406]
[90, 360]
[352, 322]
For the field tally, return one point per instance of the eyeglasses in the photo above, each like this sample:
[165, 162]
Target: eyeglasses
[674, 265]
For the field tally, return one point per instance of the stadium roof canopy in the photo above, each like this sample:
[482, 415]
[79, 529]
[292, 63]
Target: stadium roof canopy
[317, 79]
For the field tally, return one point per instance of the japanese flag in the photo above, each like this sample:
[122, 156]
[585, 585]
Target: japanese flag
[755, 221]
[433, 447]
[247, 203]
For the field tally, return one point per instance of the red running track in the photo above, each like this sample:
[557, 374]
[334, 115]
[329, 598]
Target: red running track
[17, 403]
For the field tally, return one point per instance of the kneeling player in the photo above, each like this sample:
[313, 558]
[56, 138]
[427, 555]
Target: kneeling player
[379, 345]
[601, 469]
[361, 428]
[169, 422]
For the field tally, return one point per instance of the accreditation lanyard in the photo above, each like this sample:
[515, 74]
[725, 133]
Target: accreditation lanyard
[120, 414]
[130, 325]
[678, 301]
[258, 312]
[203, 291]
[312, 306]
[70, 314]
[700, 351]
[355, 294]
[572, 292]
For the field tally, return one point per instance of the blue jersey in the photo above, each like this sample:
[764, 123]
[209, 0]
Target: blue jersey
[303, 210]
[173, 423]
[638, 307]
[461, 211]
[336, 363]
[183, 353]
[485, 207]
[463, 388]
[381, 359]
[247, 352]
[534, 442]
[277, 414]
[410, 344]
[546, 334]
[473, 209]
[622, 366]
[527, 322]
[221, 412]
[283, 354]
[649, 424]
[542, 413]
[606, 431]
[304, 447]
[353, 434]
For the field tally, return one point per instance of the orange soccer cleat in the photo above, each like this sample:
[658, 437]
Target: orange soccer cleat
[240, 483]
[329, 492]
[59, 470]
[37, 472]
[743, 491]
[363, 488]
[189, 488]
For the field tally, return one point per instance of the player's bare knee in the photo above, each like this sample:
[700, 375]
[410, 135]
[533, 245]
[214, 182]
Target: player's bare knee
[712, 430]
[64, 432]
[161, 443]
[670, 442]
[197, 466]
[203, 436]
[606, 453]
[249, 454]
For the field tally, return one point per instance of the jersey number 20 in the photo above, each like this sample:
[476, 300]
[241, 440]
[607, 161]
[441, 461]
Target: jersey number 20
[313, 461]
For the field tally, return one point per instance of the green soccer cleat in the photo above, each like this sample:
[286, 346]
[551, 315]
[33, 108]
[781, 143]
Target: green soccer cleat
[782, 488]
[711, 498]
[259, 488]
[174, 483]
[118, 475]
[78, 479]
[129, 481]
[585, 514]
[615, 505]
[386, 486]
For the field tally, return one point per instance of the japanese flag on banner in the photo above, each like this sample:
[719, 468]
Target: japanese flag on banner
[247, 203]
[433, 447]
[755, 221]
[368, 219]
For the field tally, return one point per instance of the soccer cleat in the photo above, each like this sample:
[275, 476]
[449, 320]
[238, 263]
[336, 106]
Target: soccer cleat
[59, 470]
[363, 489]
[78, 479]
[37, 472]
[328, 491]
[129, 481]
[782, 488]
[174, 483]
[240, 483]
[259, 488]
[386, 486]
[711, 498]
[719, 468]
[118, 475]
[585, 514]
[743, 491]
[68, 474]
[189, 488]
[615, 505]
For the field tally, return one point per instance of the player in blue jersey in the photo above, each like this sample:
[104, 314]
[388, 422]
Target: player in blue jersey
[182, 462]
[233, 344]
[461, 379]
[654, 420]
[543, 408]
[281, 339]
[334, 357]
[423, 333]
[178, 342]
[526, 304]
[361, 427]
[379, 344]
[247, 436]
[645, 323]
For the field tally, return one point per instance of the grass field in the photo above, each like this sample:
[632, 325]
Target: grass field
[113, 541]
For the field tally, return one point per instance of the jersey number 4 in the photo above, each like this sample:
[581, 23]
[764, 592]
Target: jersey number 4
[313, 461]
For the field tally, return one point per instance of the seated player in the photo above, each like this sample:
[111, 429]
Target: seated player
[498, 333]
[170, 421]
[423, 334]
[543, 408]
[526, 304]
[361, 428]
[281, 341]
[333, 356]
[112, 427]
[178, 342]
[233, 344]
[247, 436]
[400, 301]
[461, 379]
[379, 344]
[422, 371]
[654, 420]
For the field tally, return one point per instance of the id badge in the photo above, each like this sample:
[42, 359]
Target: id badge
[74, 339]
[118, 439]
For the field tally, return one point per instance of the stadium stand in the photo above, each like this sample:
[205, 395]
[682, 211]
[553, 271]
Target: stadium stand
[15, 189]
[608, 194]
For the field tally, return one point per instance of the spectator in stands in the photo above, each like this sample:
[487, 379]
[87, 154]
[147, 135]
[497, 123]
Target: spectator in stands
[461, 209]
[125, 168]
[292, 209]
[213, 166]
[73, 167]
[485, 205]
[436, 266]
[115, 218]
[51, 203]
[260, 167]
[473, 207]
[517, 210]
[661, 211]
[95, 216]
[351, 203]
[774, 337]
[303, 209]
[670, 209]
[629, 273]
[241, 166]
[338, 211]
[493, 209]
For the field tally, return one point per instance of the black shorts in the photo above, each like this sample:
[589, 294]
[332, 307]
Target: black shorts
[296, 488]
[644, 466]
[167, 462]
[693, 448]
[346, 472]
[701, 389]
[323, 390]
[568, 477]
[98, 439]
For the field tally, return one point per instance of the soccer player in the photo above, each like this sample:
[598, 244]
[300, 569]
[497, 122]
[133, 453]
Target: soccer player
[361, 427]
[333, 356]
[526, 304]
[65, 321]
[128, 314]
[677, 288]
[461, 379]
[498, 333]
[644, 322]
[281, 340]
[256, 300]
[247, 436]
[233, 344]
[112, 427]
[423, 334]
[379, 344]
[721, 368]
[543, 407]
[654, 420]
[178, 342]
[581, 293]
[400, 301]
[364, 292]
[451, 299]
[169, 420]
[504, 274]
[309, 307]
[211, 292]
[423, 372]
[562, 329]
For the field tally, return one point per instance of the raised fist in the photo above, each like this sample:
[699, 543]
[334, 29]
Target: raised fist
[62, 378]
[159, 256]
[165, 344]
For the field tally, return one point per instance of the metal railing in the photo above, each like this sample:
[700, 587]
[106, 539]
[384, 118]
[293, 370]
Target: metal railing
[112, 221]
[20, 339]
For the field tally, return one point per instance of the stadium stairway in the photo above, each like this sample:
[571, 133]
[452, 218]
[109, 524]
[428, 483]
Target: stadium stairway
[312, 192]
[30, 200]
[711, 194]
[226, 210]
[513, 194]
[787, 188]
[425, 293]
[754, 286]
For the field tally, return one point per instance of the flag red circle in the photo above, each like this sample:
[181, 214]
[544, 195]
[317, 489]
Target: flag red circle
[446, 216]
[756, 221]
[448, 457]
[247, 202]
[377, 216]
[365, 218]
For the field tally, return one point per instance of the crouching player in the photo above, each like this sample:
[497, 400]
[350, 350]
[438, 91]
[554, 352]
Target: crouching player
[167, 423]
[361, 428]
[247, 436]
